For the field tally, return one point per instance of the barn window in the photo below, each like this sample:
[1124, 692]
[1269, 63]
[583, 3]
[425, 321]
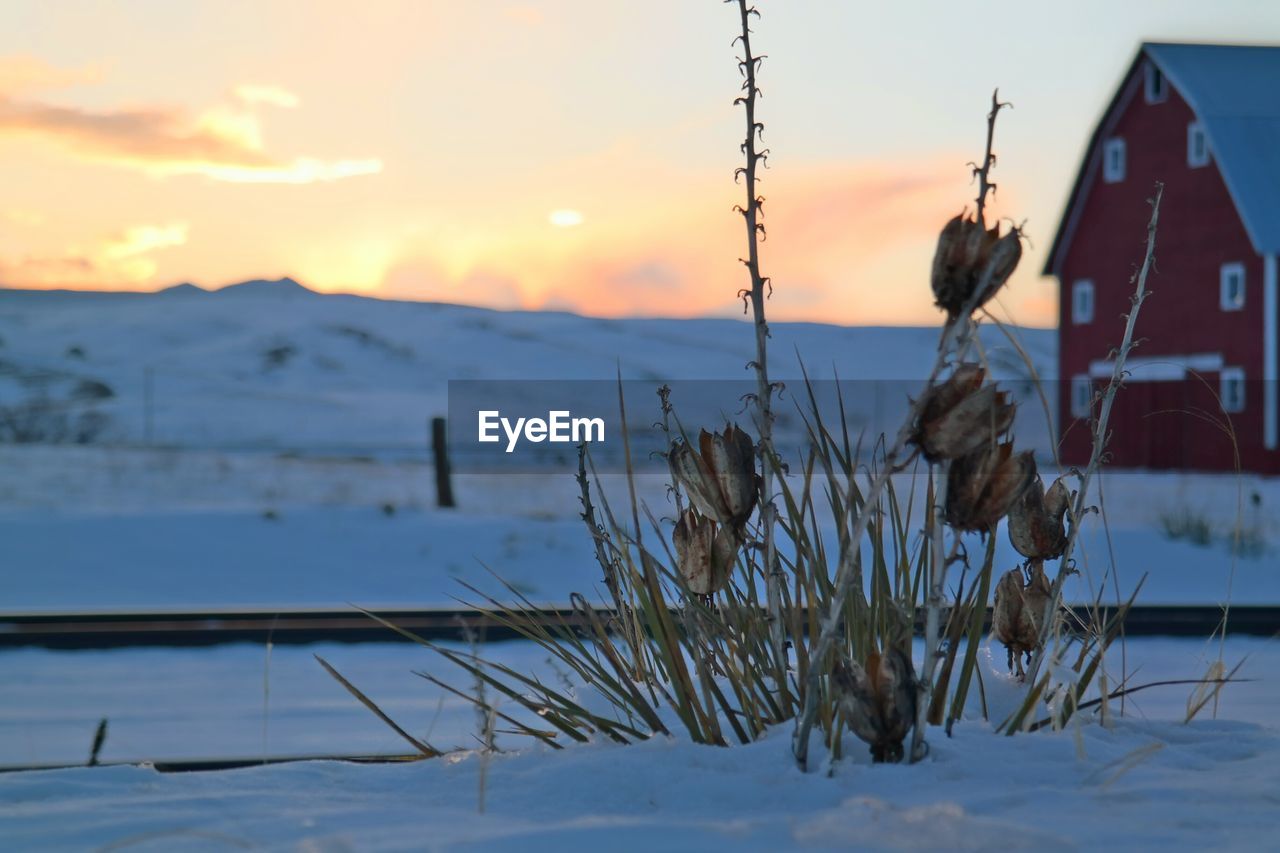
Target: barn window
[1156, 89]
[1113, 158]
[1082, 302]
[1231, 284]
[1231, 389]
[1197, 146]
[1081, 395]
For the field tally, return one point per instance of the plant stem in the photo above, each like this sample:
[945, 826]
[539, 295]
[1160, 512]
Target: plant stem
[983, 172]
[751, 216]
[933, 613]
[956, 337]
[1049, 621]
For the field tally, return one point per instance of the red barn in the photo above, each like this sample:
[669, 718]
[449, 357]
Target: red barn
[1205, 121]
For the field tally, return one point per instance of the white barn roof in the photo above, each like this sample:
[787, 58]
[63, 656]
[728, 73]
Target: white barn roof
[1235, 92]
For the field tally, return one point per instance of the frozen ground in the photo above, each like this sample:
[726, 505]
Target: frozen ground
[293, 470]
[88, 528]
[1145, 782]
[286, 467]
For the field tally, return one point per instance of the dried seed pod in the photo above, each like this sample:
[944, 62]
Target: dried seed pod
[721, 479]
[704, 553]
[1037, 527]
[731, 457]
[960, 415]
[1011, 620]
[878, 700]
[1057, 498]
[970, 258]
[1003, 261]
[983, 485]
[1036, 594]
[690, 470]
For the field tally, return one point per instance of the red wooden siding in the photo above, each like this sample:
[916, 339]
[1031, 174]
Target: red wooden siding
[1155, 424]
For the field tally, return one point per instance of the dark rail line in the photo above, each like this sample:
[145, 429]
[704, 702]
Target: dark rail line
[200, 765]
[194, 628]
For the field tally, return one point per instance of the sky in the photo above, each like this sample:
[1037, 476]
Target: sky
[567, 154]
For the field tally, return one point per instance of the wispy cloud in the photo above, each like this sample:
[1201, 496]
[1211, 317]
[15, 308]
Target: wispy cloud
[846, 241]
[122, 259]
[224, 142]
[32, 74]
[273, 96]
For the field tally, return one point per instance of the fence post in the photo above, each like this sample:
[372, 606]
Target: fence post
[148, 405]
[440, 455]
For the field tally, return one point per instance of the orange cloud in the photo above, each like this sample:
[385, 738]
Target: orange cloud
[845, 242]
[223, 143]
[120, 260]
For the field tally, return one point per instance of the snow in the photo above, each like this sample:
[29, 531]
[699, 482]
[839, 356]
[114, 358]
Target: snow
[1147, 786]
[273, 365]
[286, 467]
[1145, 781]
[330, 558]
[271, 483]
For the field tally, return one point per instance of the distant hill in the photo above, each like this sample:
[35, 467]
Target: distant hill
[278, 286]
[256, 364]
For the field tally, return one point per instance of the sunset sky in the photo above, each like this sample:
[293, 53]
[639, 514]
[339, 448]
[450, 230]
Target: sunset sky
[572, 154]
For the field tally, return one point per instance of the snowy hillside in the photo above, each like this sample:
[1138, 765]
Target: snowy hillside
[272, 364]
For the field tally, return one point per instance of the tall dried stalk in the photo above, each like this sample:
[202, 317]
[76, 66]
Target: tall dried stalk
[1050, 622]
[940, 561]
[955, 338]
[752, 213]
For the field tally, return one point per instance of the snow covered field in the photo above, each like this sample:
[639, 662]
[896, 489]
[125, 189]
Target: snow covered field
[93, 528]
[1146, 781]
[291, 466]
[286, 466]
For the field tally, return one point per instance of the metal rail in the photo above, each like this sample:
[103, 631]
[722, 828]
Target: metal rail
[199, 765]
[301, 626]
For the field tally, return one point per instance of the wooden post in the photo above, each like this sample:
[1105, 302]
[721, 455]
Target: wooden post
[440, 455]
[148, 418]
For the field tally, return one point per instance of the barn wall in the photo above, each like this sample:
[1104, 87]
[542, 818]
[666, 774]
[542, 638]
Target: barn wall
[1199, 230]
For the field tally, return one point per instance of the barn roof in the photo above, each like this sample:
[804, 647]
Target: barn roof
[1234, 91]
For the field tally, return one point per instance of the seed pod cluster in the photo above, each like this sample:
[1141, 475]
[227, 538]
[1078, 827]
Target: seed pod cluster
[960, 415]
[1037, 522]
[705, 552]
[1018, 612]
[984, 485]
[972, 263]
[721, 482]
[878, 700]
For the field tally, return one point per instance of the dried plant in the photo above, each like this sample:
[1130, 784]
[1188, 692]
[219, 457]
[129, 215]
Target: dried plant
[1037, 528]
[878, 699]
[752, 214]
[1050, 622]
[685, 636]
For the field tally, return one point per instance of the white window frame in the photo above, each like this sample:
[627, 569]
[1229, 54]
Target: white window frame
[1156, 87]
[1114, 160]
[1225, 274]
[1081, 395]
[1195, 133]
[1231, 387]
[1083, 301]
